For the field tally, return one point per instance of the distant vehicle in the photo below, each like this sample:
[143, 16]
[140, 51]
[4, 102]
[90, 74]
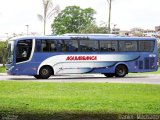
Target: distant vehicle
[117, 56]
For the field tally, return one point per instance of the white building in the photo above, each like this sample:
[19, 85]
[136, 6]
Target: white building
[149, 33]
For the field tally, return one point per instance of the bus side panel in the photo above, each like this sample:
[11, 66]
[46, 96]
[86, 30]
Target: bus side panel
[28, 68]
[83, 63]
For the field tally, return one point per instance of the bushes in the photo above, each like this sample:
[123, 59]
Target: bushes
[159, 51]
[3, 52]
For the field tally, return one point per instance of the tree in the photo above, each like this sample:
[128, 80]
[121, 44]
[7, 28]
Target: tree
[48, 12]
[72, 19]
[92, 28]
[3, 52]
[137, 33]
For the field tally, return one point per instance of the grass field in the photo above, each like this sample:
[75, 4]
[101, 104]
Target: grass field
[65, 101]
[2, 69]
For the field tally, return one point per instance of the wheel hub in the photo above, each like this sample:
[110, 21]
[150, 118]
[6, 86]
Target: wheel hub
[44, 72]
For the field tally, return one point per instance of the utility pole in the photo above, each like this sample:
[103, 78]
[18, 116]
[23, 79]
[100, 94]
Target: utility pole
[27, 28]
[6, 35]
[109, 17]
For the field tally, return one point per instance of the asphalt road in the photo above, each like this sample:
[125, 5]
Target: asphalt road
[133, 78]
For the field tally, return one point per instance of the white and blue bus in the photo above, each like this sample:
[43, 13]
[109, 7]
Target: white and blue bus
[43, 56]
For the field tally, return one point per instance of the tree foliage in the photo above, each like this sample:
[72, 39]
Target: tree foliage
[73, 19]
[92, 28]
[3, 52]
[137, 33]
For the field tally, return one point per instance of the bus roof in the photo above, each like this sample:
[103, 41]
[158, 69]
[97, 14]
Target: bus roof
[95, 35]
[86, 36]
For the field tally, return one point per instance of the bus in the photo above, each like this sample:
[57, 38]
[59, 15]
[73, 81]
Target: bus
[113, 56]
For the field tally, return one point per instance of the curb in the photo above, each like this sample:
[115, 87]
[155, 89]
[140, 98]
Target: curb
[3, 74]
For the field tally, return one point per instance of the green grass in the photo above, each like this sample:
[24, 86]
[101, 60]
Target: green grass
[67, 100]
[2, 69]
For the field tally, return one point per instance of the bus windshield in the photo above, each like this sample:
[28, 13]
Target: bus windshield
[10, 52]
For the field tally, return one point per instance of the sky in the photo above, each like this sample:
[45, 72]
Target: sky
[126, 14]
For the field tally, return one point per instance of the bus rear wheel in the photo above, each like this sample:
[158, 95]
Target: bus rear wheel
[45, 72]
[121, 71]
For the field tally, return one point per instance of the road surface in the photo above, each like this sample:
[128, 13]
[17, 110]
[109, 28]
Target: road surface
[133, 78]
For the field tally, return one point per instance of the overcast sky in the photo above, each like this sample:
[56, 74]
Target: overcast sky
[126, 14]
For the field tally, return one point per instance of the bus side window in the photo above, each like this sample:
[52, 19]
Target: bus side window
[44, 46]
[89, 46]
[73, 45]
[146, 46]
[38, 46]
[23, 51]
[48, 46]
[128, 46]
[67, 45]
[53, 47]
[51, 44]
[108, 46]
[62, 47]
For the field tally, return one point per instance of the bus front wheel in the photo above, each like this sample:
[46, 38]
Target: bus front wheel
[45, 72]
[109, 75]
[121, 71]
[37, 76]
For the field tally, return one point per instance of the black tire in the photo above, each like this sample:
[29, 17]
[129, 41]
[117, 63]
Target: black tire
[45, 72]
[121, 71]
[109, 75]
[37, 76]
